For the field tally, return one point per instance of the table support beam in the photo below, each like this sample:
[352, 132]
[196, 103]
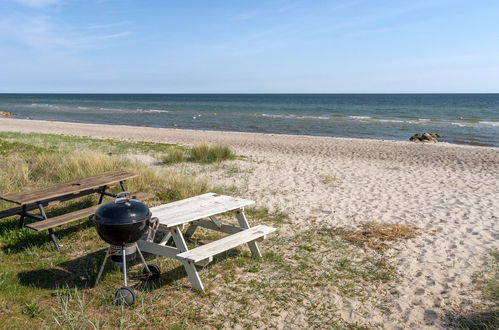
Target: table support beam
[190, 267]
[51, 232]
[243, 222]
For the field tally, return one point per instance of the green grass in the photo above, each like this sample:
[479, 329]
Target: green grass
[264, 215]
[205, 153]
[73, 143]
[201, 153]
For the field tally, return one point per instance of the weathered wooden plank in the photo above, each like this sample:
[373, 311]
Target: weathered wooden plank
[208, 250]
[74, 216]
[29, 207]
[63, 219]
[71, 187]
[174, 214]
[204, 200]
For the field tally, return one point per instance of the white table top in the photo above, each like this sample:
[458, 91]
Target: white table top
[195, 208]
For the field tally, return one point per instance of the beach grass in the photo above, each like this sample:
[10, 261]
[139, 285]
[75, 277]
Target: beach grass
[298, 281]
[201, 153]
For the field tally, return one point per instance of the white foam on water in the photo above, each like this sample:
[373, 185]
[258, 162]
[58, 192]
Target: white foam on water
[489, 123]
[359, 117]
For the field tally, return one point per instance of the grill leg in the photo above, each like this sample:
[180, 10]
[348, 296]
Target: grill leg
[108, 252]
[143, 260]
[124, 265]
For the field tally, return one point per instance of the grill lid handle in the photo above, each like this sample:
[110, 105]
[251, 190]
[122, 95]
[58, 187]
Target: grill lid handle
[122, 197]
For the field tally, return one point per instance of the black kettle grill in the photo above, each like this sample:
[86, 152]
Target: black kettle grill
[121, 224]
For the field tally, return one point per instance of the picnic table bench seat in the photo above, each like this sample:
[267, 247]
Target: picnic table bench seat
[76, 215]
[207, 251]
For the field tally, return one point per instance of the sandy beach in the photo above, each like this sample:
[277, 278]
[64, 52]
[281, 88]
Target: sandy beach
[449, 191]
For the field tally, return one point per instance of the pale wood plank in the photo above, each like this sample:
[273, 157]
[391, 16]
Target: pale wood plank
[174, 214]
[208, 250]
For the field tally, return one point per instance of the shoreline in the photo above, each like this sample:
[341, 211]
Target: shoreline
[59, 127]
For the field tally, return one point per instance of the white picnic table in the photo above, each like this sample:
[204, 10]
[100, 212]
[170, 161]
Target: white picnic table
[202, 211]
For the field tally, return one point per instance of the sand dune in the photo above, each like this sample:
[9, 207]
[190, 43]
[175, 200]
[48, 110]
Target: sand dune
[449, 191]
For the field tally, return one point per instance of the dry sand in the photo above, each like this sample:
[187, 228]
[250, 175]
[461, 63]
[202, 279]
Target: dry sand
[452, 192]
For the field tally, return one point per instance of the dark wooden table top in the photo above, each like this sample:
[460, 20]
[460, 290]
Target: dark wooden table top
[68, 188]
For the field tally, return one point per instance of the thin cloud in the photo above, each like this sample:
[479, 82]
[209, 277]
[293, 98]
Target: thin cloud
[37, 3]
[43, 33]
[104, 26]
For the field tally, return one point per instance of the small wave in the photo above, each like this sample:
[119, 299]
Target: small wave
[489, 123]
[392, 121]
[44, 105]
[295, 116]
[152, 110]
[359, 117]
[83, 108]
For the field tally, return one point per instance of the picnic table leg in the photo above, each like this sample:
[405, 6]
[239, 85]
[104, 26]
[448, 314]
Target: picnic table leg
[23, 214]
[243, 222]
[101, 198]
[189, 266]
[123, 186]
[190, 231]
[51, 232]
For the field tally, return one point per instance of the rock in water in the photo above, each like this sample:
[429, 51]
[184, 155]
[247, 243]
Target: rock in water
[6, 114]
[425, 137]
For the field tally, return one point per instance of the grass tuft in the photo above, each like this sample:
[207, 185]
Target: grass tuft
[376, 235]
[201, 153]
[205, 153]
[173, 157]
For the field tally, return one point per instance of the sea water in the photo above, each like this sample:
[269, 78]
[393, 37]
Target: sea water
[460, 118]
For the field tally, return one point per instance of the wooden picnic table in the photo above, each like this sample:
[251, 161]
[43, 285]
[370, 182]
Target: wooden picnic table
[202, 211]
[41, 197]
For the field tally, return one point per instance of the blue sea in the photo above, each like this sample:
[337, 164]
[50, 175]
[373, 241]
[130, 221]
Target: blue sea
[462, 118]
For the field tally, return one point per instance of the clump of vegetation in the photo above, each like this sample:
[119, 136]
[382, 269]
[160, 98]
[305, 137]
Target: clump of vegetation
[201, 153]
[205, 153]
[329, 179]
[376, 235]
[174, 157]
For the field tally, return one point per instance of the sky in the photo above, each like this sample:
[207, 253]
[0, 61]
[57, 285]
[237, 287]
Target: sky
[274, 46]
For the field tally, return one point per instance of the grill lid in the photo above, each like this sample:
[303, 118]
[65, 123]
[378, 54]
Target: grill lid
[122, 211]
